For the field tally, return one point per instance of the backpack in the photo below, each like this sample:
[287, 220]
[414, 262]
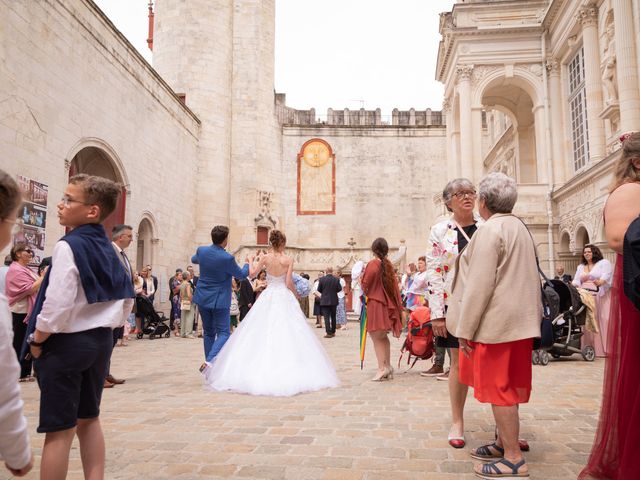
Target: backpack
[419, 341]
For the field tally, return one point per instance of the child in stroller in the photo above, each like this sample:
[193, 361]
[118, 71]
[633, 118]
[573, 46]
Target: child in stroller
[153, 323]
[568, 323]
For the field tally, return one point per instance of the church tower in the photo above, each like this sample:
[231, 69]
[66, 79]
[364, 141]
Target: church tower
[220, 55]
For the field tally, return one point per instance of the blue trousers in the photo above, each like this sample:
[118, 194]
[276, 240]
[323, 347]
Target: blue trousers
[215, 330]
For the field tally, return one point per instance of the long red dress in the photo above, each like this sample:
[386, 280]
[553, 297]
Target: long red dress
[617, 444]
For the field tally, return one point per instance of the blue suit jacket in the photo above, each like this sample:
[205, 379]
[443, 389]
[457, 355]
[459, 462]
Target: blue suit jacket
[217, 266]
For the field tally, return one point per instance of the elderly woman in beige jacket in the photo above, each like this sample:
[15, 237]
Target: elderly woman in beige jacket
[495, 312]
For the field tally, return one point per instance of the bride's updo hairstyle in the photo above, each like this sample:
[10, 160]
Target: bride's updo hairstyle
[277, 239]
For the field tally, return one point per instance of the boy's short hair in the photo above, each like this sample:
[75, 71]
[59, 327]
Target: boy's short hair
[98, 191]
[219, 234]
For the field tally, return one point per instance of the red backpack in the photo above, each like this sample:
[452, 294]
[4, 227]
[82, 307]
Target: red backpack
[419, 341]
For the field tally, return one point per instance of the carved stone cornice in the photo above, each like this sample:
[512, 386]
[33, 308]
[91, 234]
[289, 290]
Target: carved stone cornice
[588, 16]
[464, 72]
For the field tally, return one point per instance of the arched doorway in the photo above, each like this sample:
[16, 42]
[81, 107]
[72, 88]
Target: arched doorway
[95, 161]
[144, 253]
[582, 239]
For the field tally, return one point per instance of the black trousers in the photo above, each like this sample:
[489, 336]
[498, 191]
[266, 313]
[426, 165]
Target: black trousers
[329, 314]
[118, 333]
[19, 333]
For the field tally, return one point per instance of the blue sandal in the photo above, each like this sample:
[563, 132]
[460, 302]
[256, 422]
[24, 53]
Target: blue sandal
[485, 452]
[491, 470]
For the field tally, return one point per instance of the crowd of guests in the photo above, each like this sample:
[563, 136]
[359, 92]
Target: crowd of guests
[464, 285]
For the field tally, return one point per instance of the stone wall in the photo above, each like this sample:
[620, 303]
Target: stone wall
[71, 80]
[386, 180]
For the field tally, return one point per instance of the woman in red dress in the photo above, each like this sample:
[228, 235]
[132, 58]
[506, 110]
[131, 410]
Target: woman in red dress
[615, 450]
[384, 306]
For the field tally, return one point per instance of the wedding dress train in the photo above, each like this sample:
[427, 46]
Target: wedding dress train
[273, 351]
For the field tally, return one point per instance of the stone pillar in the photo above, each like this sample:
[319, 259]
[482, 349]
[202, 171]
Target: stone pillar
[452, 170]
[588, 17]
[466, 124]
[627, 68]
[477, 159]
[557, 127]
[541, 144]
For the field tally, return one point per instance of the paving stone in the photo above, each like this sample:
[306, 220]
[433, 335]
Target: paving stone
[167, 425]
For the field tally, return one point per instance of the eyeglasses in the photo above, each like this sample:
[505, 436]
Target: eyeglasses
[465, 193]
[66, 201]
[26, 250]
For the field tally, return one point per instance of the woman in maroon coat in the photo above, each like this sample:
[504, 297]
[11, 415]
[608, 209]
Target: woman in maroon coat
[384, 306]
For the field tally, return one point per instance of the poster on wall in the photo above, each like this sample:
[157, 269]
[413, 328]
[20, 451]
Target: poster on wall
[32, 217]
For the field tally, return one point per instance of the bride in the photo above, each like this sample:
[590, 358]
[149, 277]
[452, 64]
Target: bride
[273, 351]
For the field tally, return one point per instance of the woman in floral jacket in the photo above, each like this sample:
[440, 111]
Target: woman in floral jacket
[446, 240]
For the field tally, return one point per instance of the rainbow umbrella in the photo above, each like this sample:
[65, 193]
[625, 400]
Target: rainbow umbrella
[363, 330]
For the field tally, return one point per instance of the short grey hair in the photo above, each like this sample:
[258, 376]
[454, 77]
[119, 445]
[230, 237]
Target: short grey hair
[119, 230]
[499, 192]
[453, 186]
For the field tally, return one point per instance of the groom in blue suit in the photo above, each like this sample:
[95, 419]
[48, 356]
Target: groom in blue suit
[213, 295]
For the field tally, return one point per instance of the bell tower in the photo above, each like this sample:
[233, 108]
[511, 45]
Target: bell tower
[193, 52]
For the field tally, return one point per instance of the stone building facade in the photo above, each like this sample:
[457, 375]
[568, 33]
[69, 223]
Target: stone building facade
[539, 89]
[558, 83]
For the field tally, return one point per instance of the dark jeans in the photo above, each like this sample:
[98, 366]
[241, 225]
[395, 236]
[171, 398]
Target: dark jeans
[19, 334]
[329, 314]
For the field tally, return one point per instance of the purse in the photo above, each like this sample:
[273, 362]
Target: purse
[550, 301]
[185, 305]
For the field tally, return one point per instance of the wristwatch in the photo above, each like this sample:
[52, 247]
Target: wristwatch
[31, 341]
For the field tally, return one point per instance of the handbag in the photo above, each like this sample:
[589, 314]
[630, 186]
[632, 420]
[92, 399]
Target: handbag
[550, 301]
[185, 305]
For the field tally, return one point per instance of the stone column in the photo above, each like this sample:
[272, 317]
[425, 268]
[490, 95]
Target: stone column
[477, 157]
[557, 128]
[466, 124]
[588, 17]
[541, 143]
[627, 68]
[452, 170]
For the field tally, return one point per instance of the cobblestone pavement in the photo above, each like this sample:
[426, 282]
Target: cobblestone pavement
[162, 423]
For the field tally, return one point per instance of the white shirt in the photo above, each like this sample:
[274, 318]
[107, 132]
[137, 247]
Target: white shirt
[14, 439]
[342, 284]
[66, 309]
[602, 270]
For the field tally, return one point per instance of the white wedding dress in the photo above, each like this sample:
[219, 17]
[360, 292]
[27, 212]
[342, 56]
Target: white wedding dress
[273, 351]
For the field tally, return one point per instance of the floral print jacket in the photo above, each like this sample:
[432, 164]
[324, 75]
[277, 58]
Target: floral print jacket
[441, 257]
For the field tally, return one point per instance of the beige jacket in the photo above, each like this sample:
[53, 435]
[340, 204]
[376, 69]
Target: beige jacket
[496, 288]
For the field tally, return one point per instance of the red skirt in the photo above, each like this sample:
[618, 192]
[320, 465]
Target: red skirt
[499, 373]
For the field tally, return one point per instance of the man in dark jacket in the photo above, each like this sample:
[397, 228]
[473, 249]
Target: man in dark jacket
[246, 297]
[329, 286]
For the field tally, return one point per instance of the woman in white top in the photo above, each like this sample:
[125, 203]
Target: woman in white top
[14, 439]
[594, 274]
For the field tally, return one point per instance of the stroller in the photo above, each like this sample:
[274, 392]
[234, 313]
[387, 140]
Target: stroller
[568, 322]
[154, 323]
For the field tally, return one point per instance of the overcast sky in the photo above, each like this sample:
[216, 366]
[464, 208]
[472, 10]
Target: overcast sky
[339, 53]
